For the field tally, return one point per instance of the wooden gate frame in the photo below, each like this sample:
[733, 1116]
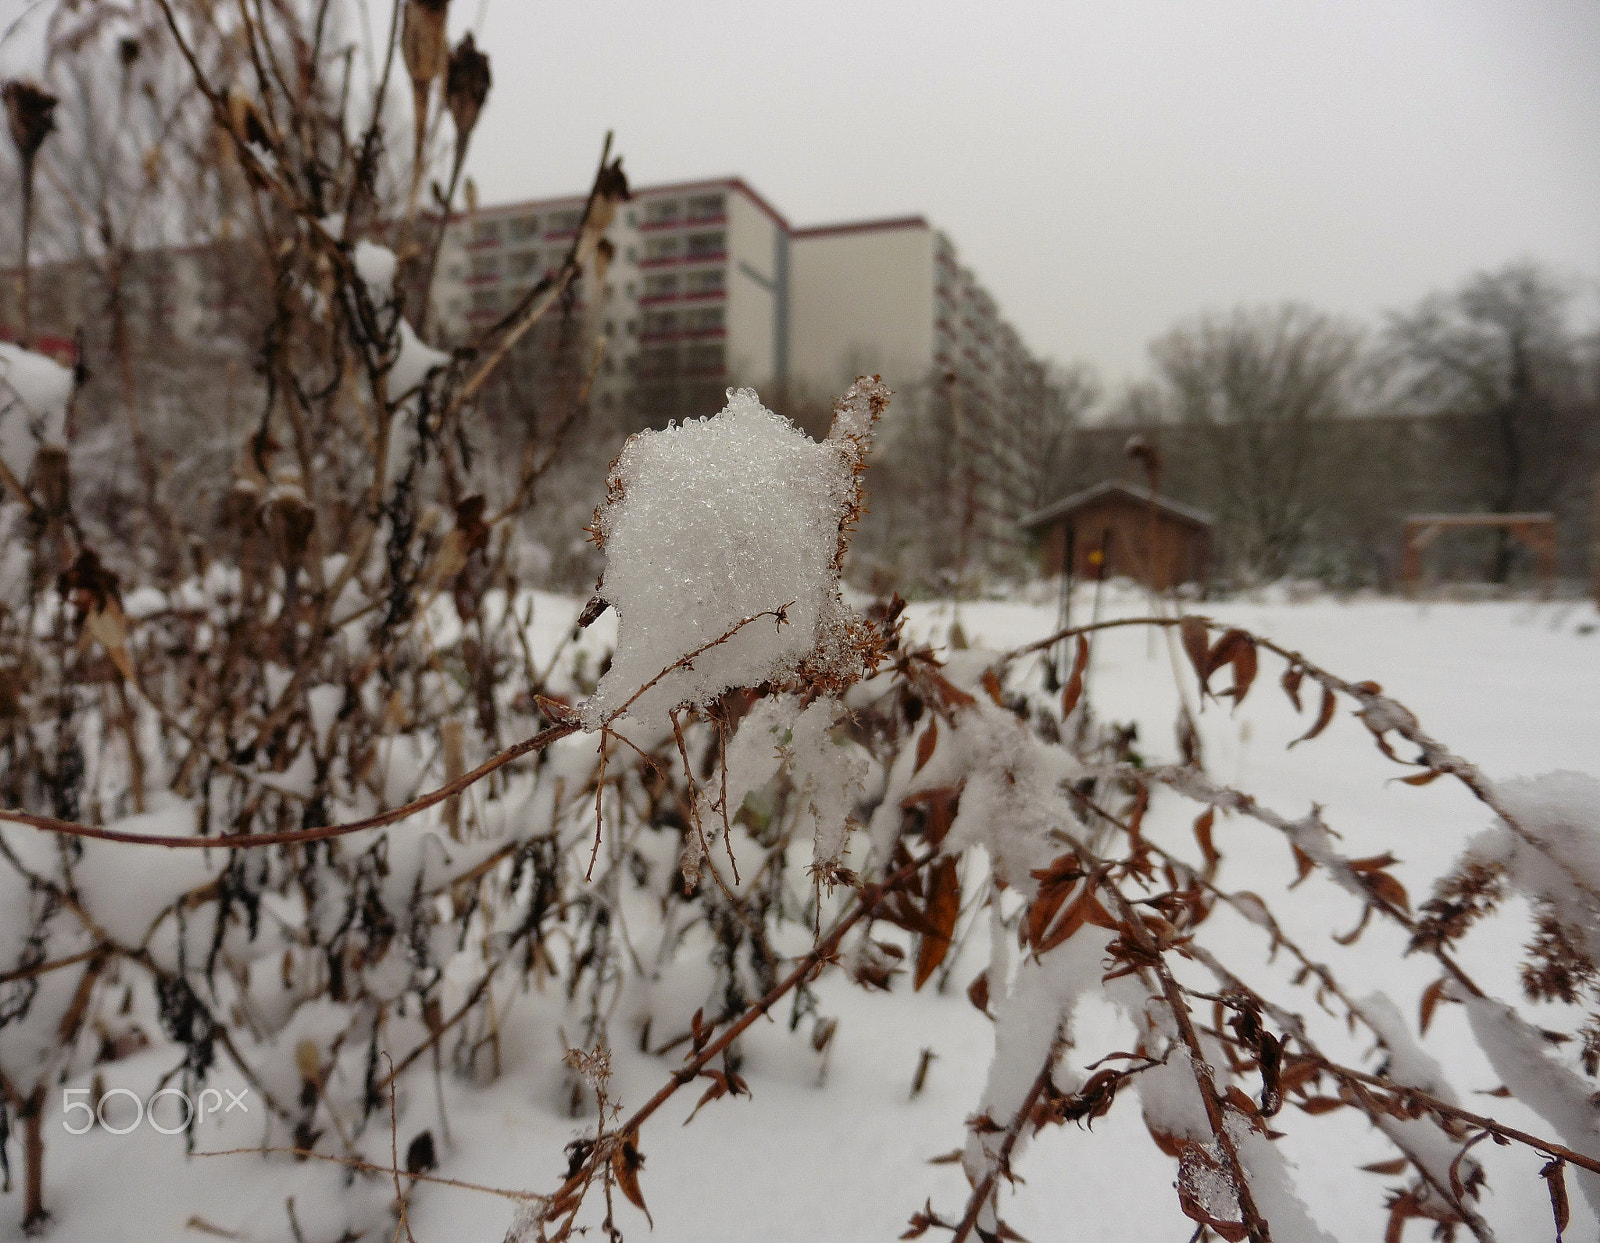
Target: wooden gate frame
[1536, 532]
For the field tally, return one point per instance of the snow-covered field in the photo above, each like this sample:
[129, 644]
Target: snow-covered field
[841, 1152]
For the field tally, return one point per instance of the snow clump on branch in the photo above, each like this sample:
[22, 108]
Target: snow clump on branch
[724, 539]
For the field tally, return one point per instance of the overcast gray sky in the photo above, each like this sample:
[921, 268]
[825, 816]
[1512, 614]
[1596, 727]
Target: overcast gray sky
[1105, 167]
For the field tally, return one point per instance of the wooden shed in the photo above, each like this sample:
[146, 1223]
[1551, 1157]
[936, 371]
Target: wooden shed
[1112, 528]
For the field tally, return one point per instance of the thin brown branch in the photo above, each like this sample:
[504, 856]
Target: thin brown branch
[1002, 1161]
[245, 841]
[824, 951]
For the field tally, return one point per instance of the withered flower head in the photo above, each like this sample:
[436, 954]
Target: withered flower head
[422, 40]
[466, 85]
[88, 584]
[30, 111]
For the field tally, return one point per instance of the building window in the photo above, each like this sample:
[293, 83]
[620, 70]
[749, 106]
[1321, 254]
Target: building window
[525, 264]
[660, 212]
[658, 323]
[523, 227]
[485, 299]
[703, 358]
[660, 249]
[485, 267]
[560, 223]
[660, 360]
[664, 285]
[706, 207]
[705, 319]
[705, 245]
[486, 232]
[708, 280]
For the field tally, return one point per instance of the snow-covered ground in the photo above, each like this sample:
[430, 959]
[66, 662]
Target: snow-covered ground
[843, 1155]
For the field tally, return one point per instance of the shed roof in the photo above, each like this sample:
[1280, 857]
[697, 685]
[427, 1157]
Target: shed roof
[1114, 489]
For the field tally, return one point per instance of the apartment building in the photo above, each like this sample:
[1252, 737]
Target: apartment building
[695, 297]
[712, 286]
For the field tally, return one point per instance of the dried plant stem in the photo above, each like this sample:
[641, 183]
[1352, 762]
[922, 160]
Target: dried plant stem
[1435, 756]
[1002, 1161]
[369, 1167]
[1153, 956]
[288, 836]
[824, 951]
[1195, 785]
[1408, 1095]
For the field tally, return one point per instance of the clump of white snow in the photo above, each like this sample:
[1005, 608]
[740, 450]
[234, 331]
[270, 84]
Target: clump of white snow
[376, 266]
[709, 525]
[34, 392]
[1561, 810]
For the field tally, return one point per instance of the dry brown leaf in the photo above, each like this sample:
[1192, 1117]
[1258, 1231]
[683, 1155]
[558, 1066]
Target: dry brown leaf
[1389, 889]
[107, 626]
[939, 807]
[1324, 715]
[1291, 685]
[1073, 690]
[1555, 1177]
[926, 744]
[944, 905]
[1195, 634]
[1390, 1168]
[1431, 997]
[1202, 835]
[1422, 779]
[978, 993]
[626, 1162]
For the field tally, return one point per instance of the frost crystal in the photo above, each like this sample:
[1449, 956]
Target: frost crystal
[709, 525]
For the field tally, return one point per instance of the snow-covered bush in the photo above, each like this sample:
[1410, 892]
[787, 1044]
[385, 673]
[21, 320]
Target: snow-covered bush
[299, 811]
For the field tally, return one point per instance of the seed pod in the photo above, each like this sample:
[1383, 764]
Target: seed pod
[49, 479]
[289, 520]
[466, 86]
[426, 52]
[30, 111]
[422, 39]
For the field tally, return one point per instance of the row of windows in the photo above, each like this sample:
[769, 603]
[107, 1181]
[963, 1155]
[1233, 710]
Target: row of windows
[665, 323]
[524, 228]
[669, 284]
[690, 246]
[659, 213]
[526, 263]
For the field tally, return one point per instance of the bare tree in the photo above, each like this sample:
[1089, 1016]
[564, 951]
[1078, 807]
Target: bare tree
[1499, 350]
[1260, 388]
[1048, 414]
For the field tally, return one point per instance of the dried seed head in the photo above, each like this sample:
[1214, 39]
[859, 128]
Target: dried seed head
[289, 520]
[466, 86]
[48, 480]
[422, 40]
[88, 584]
[30, 111]
[610, 191]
